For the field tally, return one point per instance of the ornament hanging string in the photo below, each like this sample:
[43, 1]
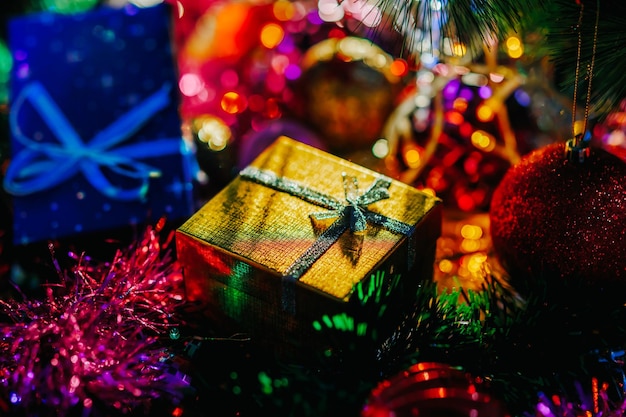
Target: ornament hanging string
[576, 147]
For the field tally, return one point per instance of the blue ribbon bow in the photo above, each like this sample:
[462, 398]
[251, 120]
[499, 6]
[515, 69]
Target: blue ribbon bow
[40, 166]
[353, 214]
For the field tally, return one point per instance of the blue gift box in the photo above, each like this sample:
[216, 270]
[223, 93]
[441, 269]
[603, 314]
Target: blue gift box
[96, 137]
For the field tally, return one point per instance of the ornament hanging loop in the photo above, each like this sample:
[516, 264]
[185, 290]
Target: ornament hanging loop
[577, 148]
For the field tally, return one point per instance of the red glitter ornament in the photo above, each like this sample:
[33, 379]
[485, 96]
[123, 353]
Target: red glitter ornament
[556, 219]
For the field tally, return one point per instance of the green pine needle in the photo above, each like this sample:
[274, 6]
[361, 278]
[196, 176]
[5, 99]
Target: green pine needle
[470, 22]
[552, 24]
[552, 341]
[559, 23]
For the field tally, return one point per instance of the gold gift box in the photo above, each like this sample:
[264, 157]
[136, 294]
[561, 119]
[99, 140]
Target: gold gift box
[301, 237]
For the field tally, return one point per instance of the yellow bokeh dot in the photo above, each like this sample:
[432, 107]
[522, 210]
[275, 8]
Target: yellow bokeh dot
[513, 43]
[514, 47]
[470, 231]
[214, 132]
[475, 262]
[484, 113]
[483, 141]
[272, 35]
[412, 158]
[445, 266]
[470, 245]
[218, 143]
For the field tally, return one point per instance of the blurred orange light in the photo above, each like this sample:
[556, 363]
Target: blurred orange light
[445, 266]
[233, 103]
[454, 118]
[460, 104]
[468, 246]
[399, 67]
[412, 158]
[283, 10]
[272, 35]
[219, 34]
[476, 260]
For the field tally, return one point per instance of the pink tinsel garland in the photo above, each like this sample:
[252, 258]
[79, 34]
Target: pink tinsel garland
[95, 336]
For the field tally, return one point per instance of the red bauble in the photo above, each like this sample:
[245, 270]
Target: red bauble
[552, 219]
[431, 389]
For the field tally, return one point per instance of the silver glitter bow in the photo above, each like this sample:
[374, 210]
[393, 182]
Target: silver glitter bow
[353, 214]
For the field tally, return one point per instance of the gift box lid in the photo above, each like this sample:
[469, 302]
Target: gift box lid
[312, 218]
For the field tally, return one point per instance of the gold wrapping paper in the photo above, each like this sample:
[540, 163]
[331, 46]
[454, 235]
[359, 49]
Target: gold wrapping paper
[270, 230]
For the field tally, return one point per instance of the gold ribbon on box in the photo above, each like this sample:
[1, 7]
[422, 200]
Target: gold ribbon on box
[352, 214]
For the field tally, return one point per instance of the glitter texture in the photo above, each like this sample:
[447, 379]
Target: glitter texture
[553, 218]
[94, 336]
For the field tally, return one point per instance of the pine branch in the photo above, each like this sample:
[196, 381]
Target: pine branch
[475, 23]
[470, 22]
[558, 23]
